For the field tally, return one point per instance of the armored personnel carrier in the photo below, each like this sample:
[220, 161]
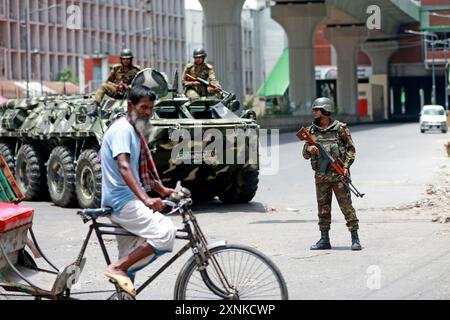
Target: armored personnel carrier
[52, 144]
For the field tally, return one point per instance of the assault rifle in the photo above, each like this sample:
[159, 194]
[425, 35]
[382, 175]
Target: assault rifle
[328, 160]
[207, 84]
[223, 106]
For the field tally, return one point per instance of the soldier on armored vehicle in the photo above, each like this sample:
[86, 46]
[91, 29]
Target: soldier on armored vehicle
[52, 145]
[202, 70]
[119, 80]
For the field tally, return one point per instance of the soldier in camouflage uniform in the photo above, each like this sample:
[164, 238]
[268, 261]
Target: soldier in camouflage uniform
[199, 69]
[120, 78]
[336, 139]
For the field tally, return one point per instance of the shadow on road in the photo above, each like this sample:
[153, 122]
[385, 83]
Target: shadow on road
[341, 248]
[218, 207]
[283, 221]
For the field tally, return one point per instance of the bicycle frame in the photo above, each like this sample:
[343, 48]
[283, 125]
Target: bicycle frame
[195, 240]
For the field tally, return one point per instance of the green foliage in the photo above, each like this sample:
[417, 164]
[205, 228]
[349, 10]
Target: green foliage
[67, 75]
[278, 109]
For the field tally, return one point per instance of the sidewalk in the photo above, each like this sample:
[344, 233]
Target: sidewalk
[293, 123]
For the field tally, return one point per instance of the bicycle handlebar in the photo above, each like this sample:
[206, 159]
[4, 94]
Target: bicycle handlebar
[170, 203]
[183, 202]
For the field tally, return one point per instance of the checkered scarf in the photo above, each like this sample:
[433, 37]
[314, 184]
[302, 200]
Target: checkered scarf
[147, 168]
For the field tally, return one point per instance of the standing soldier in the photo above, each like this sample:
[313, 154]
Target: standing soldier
[199, 69]
[336, 139]
[119, 80]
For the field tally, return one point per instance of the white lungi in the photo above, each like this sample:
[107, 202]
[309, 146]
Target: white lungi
[148, 226]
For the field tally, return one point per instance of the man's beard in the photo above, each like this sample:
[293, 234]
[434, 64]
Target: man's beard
[141, 125]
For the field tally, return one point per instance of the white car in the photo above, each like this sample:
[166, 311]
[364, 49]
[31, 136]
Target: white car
[433, 117]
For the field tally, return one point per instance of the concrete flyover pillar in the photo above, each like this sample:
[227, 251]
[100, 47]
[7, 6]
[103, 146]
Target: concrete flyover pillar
[300, 22]
[380, 51]
[347, 40]
[224, 42]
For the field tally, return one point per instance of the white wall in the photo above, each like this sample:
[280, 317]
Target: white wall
[194, 31]
[263, 39]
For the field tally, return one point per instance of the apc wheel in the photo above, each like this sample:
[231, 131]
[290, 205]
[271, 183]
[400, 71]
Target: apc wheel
[243, 187]
[8, 153]
[30, 172]
[88, 181]
[61, 177]
[251, 275]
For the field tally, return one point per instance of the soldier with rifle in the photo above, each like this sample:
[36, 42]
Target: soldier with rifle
[329, 146]
[119, 80]
[200, 69]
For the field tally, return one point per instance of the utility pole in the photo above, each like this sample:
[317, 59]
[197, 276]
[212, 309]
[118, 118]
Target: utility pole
[446, 44]
[433, 90]
[27, 49]
[433, 44]
[27, 39]
[36, 52]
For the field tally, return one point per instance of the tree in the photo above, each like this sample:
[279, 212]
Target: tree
[66, 75]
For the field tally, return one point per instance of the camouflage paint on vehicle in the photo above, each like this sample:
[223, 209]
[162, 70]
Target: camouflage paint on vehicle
[32, 129]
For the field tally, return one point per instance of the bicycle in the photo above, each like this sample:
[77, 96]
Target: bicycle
[220, 270]
[216, 271]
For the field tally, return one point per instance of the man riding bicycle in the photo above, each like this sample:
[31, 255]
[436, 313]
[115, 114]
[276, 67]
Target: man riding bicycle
[128, 174]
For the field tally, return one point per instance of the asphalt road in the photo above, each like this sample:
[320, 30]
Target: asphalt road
[404, 256]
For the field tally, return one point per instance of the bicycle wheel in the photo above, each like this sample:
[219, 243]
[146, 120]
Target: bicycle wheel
[250, 274]
[121, 296]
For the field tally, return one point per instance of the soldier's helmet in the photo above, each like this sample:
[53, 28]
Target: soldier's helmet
[200, 52]
[324, 103]
[126, 54]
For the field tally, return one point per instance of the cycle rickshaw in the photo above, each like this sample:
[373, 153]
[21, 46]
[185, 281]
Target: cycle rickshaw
[214, 271]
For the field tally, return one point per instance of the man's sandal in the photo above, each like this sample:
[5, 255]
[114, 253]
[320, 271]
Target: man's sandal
[123, 282]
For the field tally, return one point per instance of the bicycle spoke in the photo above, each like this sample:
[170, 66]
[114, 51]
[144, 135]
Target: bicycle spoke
[256, 292]
[248, 273]
[210, 297]
[256, 278]
[240, 266]
[201, 284]
[257, 289]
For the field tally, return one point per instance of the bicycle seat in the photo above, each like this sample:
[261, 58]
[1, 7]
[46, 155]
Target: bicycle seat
[96, 213]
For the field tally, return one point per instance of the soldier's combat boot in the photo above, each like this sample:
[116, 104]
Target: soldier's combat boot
[323, 243]
[356, 245]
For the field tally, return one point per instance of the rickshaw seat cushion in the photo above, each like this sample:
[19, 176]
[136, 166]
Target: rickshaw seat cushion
[13, 216]
[96, 213]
